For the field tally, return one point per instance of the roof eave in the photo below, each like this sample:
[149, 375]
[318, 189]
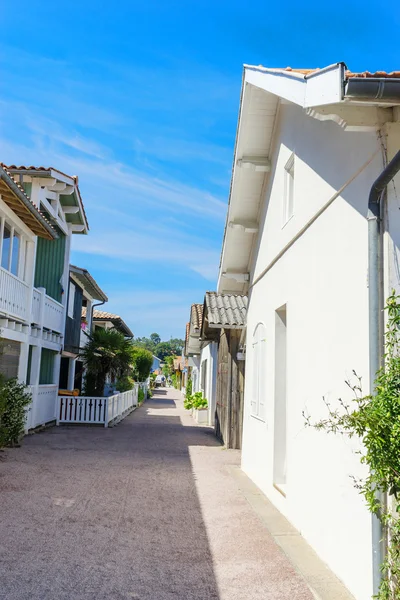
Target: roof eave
[91, 285]
[47, 230]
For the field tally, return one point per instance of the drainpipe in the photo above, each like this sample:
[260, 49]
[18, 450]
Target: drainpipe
[375, 291]
[91, 313]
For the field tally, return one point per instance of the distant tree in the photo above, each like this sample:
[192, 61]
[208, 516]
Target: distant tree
[168, 368]
[155, 338]
[144, 342]
[159, 348]
[163, 349]
[142, 360]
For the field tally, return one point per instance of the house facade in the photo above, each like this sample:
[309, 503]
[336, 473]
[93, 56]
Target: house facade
[36, 278]
[105, 320]
[309, 146]
[83, 294]
[156, 366]
[222, 366]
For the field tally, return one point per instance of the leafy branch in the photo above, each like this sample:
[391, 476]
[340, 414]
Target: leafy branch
[375, 419]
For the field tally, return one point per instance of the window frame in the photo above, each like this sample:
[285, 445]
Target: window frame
[71, 299]
[288, 192]
[259, 355]
[14, 267]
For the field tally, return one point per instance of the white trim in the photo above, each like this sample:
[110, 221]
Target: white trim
[10, 252]
[322, 87]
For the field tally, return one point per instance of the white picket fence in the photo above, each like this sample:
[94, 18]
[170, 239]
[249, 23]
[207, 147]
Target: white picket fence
[98, 410]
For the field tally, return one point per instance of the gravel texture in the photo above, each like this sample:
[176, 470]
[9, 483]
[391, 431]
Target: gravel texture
[146, 510]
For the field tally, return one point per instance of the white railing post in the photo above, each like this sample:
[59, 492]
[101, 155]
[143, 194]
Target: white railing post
[105, 412]
[42, 292]
[58, 409]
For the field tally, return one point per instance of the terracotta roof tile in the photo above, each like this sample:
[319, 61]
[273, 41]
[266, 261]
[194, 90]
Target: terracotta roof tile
[196, 315]
[349, 74]
[187, 336]
[376, 75]
[116, 320]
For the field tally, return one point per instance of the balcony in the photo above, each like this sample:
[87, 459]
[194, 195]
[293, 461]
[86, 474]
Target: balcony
[14, 296]
[47, 312]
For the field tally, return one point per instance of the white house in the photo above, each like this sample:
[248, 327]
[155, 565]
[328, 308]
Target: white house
[156, 366]
[41, 208]
[105, 320]
[83, 295]
[222, 338]
[193, 344]
[300, 239]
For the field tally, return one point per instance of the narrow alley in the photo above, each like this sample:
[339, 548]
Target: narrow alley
[147, 510]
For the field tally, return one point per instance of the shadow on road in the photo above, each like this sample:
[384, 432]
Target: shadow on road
[102, 514]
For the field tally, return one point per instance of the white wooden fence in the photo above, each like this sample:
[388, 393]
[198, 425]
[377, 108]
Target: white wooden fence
[43, 406]
[98, 410]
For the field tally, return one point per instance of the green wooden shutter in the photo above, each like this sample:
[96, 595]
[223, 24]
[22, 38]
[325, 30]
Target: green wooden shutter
[47, 367]
[50, 265]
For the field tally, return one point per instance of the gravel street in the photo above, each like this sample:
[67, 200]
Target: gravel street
[147, 510]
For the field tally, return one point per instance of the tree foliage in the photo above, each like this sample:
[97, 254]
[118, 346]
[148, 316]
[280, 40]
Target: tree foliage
[142, 361]
[155, 338]
[375, 419]
[159, 348]
[168, 368]
[107, 352]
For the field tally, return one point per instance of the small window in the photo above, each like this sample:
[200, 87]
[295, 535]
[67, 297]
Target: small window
[71, 300]
[288, 202]
[5, 254]
[259, 369]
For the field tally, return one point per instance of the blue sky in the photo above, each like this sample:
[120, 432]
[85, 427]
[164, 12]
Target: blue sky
[140, 100]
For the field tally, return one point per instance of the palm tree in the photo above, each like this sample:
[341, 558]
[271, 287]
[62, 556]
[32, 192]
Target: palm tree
[107, 352]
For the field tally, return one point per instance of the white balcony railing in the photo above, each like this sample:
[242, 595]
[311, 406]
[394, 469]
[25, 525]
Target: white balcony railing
[47, 312]
[14, 296]
[53, 315]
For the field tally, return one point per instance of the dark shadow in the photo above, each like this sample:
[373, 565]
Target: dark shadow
[162, 402]
[114, 512]
[160, 391]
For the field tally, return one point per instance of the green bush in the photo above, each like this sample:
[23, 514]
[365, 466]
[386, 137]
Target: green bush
[140, 395]
[196, 401]
[125, 383]
[14, 400]
[199, 401]
[188, 402]
[189, 388]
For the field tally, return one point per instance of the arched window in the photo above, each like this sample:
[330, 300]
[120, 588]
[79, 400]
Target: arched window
[259, 368]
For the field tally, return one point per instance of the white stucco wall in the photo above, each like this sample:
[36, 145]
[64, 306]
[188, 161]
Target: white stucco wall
[210, 354]
[322, 280]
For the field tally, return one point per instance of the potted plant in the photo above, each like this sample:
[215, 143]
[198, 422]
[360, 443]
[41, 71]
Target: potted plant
[200, 406]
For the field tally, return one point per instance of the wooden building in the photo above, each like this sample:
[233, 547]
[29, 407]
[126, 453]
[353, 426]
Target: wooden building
[223, 325]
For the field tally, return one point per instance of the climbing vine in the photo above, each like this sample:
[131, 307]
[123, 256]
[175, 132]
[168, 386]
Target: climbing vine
[375, 419]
